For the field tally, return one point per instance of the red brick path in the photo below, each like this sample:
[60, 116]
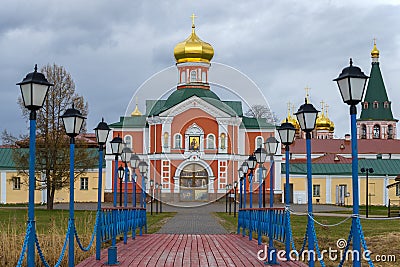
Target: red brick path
[186, 250]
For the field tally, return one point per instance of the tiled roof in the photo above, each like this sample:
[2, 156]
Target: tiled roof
[256, 123]
[130, 122]
[342, 146]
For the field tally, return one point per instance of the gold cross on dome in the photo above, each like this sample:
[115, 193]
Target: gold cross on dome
[323, 106]
[193, 16]
[374, 41]
[288, 108]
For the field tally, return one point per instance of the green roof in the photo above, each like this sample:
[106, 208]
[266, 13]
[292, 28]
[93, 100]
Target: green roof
[130, 122]
[256, 123]
[376, 93]
[382, 167]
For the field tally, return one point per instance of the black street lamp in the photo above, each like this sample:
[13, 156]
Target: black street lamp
[116, 150]
[156, 194]
[151, 196]
[367, 195]
[251, 162]
[306, 116]
[287, 133]
[235, 185]
[134, 164]
[121, 173]
[143, 166]
[34, 88]
[351, 83]
[102, 130]
[73, 121]
[260, 154]
[264, 172]
[245, 169]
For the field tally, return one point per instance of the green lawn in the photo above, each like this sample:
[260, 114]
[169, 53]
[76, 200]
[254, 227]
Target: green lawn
[382, 236]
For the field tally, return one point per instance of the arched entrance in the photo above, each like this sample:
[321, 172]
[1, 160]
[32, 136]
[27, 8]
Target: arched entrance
[193, 183]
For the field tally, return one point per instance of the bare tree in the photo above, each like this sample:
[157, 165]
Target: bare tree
[52, 147]
[262, 111]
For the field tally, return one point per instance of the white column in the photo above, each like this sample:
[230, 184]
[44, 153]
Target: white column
[386, 191]
[108, 176]
[3, 188]
[328, 189]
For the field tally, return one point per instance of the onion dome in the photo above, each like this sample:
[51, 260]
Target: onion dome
[322, 122]
[375, 51]
[293, 121]
[332, 126]
[136, 112]
[193, 49]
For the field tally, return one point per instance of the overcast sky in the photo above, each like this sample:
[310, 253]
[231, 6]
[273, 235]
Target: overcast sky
[112, 47]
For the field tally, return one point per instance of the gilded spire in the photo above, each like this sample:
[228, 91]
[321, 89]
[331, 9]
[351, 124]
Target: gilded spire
[375, 51]
[136, 112]
[307, 89]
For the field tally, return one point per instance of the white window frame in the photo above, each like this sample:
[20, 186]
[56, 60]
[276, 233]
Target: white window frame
[85, 184]
[256, 143]
[213, 144]
[16, 183]
[180, 141]
[131, 141]
[315, 186]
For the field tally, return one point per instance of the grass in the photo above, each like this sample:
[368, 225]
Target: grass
[51, 227]
[382, 236]
[372, 211]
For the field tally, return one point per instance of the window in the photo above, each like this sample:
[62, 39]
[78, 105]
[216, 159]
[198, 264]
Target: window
[386, 104]
[210, 141]
[183, 77]
[377, 131]
[193, 76]
[128, 141]
[16, 183]
[376, 104]
[390, 132]
[178, 141]
[363, 131]
[365, 105]
[398, 189]
[223, 141]
[166, 139]
[316, 190]
[84, 183]
[259, 141]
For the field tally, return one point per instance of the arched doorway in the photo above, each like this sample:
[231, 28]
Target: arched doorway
[193, 183]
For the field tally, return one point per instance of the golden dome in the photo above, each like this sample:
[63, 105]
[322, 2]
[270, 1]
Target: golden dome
[322, 123]
[375, 51]
[193, 49]
[136, 112]
[293, 121]
[332, 126]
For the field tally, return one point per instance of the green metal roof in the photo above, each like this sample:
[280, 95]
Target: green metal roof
[376, 92]
[382, 167]
[130, 122]
[256, 123]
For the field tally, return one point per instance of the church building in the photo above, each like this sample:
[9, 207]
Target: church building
[193, 141]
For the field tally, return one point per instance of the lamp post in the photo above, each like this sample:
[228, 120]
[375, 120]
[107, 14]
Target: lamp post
[245, 168]
[156, 194]
[367, 171]
[34, 89]
[235, 185]
[271, 146]
[351, 83]
[226, 198]
[121, 172]
[306, 116]
[151, 196]
[264, 174]
[251, 162]
[102, 130]
[241, 174]
[134, 164]
[229, 197]
[126, 157]
[73, 121]
[287, 133]
[116, 150]
[260, 154]
[143, 170]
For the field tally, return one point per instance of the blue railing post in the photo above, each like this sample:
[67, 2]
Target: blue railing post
[31, 204]
[100, 190]
[310, 222]
[71, 249]
[287, 203]
[271, 248]
[260, 181]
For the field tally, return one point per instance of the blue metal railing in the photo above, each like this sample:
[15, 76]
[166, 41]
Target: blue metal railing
[258, 220]
[112, 221]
